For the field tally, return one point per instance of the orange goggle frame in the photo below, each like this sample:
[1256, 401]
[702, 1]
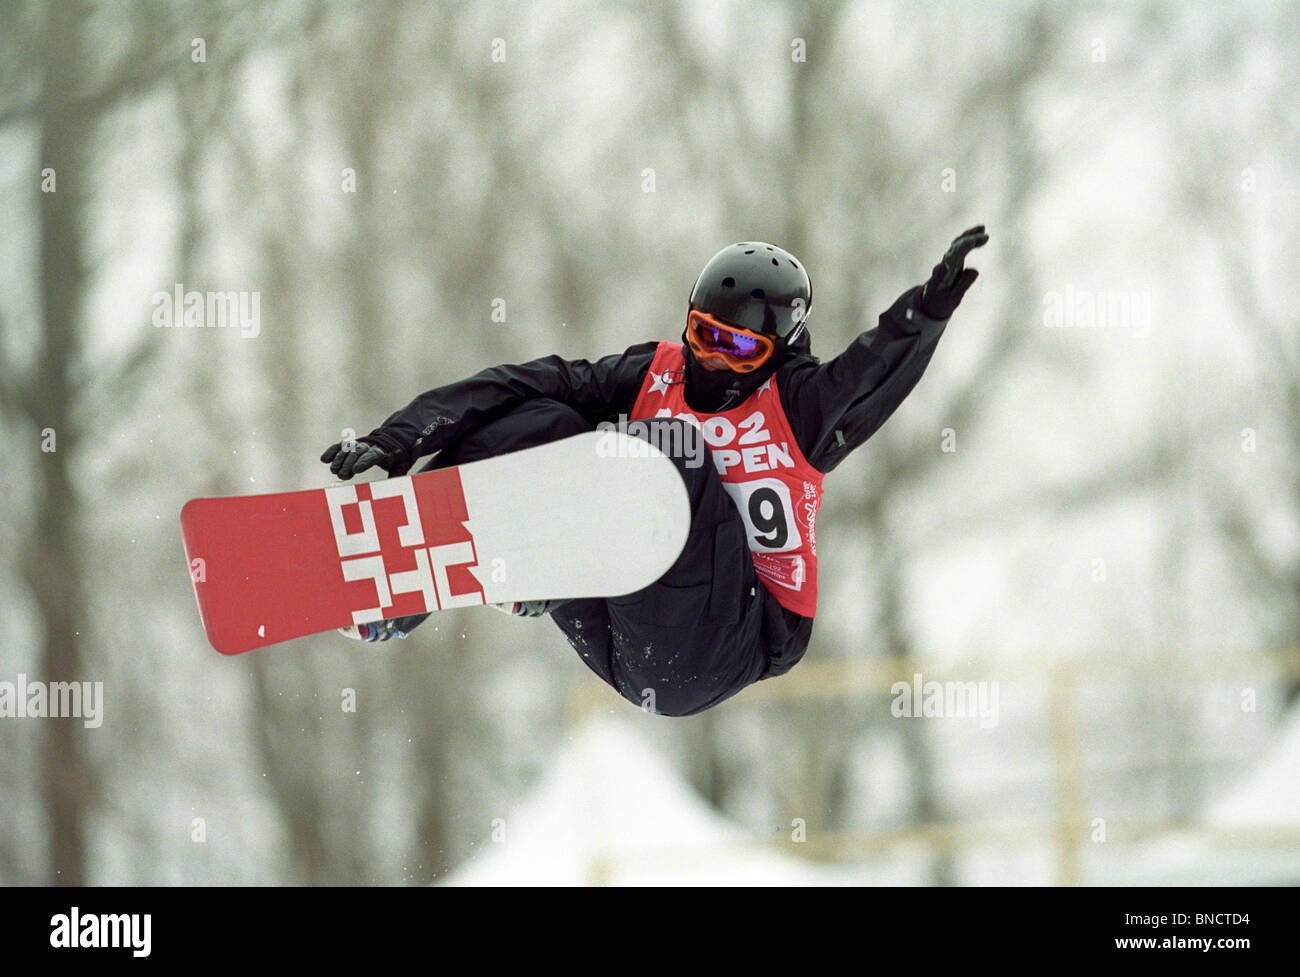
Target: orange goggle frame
[740, 349]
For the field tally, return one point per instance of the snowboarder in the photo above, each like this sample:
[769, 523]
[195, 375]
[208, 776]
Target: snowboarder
[743, 389]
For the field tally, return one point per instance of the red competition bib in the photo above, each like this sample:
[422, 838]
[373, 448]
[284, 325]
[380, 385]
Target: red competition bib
[775, 488]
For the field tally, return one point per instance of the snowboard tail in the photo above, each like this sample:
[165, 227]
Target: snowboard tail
[595, 515]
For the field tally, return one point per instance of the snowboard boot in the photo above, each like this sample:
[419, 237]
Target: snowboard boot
[396, 627]
[528, 608]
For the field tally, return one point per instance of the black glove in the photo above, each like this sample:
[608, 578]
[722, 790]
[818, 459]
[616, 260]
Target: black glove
[360, 455]
[942, 293]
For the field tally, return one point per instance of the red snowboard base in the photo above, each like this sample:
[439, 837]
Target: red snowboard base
[597, 515]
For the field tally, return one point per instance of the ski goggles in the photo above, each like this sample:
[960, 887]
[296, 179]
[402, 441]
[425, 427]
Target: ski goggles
[740, 349]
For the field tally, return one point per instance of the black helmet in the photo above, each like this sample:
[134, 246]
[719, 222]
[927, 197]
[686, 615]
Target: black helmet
[758, 287]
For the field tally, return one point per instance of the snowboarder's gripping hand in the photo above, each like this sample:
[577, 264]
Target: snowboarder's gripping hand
[348, 458]
[942, 293]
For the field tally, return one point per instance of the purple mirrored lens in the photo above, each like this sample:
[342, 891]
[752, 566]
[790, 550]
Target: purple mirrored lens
[730, 342]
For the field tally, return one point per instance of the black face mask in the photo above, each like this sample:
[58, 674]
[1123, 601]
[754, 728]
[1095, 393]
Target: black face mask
[713, 391]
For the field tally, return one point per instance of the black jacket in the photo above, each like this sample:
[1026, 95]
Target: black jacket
[832, 408]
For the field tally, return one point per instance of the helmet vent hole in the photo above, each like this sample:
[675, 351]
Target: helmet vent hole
[757, 293]
[728, 283]
[793, 262]
[750, 251]
[775, 262]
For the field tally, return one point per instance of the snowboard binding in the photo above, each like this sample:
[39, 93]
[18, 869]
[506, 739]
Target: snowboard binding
[400, 627]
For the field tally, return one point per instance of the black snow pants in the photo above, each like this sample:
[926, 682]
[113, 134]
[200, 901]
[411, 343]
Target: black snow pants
[694, 637]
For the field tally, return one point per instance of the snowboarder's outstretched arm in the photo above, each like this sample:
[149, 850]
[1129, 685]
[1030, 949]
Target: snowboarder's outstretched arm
[439, 417]
[836, 406]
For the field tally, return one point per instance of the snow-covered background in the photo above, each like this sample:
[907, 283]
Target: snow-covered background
[1091, 518]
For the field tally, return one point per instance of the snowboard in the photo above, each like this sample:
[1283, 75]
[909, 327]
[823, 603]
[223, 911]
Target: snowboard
[594, 515]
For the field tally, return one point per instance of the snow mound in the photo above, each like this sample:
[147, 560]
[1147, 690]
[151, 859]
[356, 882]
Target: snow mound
[611, 811]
